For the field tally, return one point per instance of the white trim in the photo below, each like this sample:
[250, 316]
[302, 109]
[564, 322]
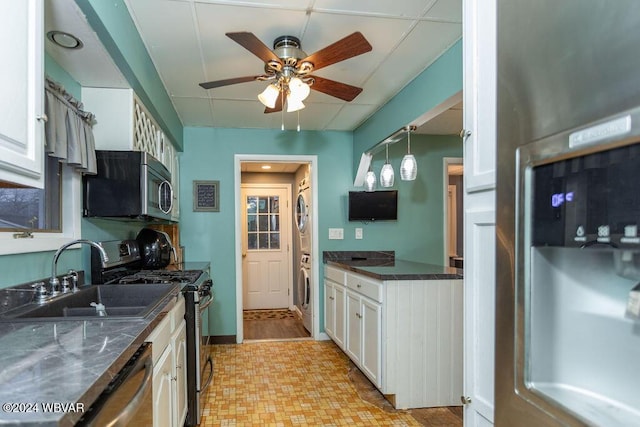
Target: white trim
[446, 161]
[71, 221]
[311, 159]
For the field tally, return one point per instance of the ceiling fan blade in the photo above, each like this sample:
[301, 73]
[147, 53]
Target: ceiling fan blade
[348, 47]
[253, 44]
[227, 82]
[336, 89]
[277, 107]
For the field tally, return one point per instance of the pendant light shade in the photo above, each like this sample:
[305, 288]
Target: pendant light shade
[370, 181]
[409, 166]
[387, 174]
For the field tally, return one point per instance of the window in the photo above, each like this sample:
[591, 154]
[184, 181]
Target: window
[24, 208]
[263, 222]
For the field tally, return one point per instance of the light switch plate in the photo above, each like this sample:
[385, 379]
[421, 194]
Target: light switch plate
[358, 233]
[336, 233]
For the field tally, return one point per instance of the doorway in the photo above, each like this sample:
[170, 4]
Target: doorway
[453, 211]
[268, 247]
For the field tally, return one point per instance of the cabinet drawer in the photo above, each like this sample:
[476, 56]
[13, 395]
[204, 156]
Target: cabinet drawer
[334, 274]
[367, 287]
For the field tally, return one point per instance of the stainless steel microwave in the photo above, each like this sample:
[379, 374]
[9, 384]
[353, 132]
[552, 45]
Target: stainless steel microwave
[128, 184]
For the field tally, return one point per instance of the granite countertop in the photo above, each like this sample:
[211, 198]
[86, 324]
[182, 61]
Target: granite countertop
[383, 265]
[69, 361]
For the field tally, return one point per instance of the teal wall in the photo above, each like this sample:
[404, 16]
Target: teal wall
[209, 155]
[210, 236]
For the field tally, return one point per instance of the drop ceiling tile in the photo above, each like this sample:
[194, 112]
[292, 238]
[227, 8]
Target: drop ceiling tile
[283, 4]
[194, 111]
[433, 37]
[411, 8]
[324, 29]
[350, 115]
[450, 10]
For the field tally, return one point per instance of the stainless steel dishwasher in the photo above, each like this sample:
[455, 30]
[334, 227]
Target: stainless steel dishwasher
[127, 400]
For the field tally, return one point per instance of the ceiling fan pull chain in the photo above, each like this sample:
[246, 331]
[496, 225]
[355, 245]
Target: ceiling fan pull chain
[282, 112]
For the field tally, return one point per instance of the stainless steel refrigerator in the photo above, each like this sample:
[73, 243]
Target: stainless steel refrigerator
[568, 213]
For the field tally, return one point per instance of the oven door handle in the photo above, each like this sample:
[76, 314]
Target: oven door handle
[206, 384]
[123, 417]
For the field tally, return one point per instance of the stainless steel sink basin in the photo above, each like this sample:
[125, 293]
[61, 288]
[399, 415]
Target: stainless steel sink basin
[120, 302]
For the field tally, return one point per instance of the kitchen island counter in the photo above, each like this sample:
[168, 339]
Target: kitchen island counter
[52, 371]
[384, 266]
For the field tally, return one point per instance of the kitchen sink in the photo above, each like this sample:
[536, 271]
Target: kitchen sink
[120, 302]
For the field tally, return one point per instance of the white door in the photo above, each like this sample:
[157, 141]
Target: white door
[266, 271]
[479, 116]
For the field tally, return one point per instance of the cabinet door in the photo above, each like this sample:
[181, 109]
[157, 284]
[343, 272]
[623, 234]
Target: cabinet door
[371, 335]
[179, 343]
[162, 384]
[329, 309]
[22, 88]
[354, 327]
[339, 324]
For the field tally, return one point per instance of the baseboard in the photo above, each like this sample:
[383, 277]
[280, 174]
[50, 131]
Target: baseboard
[222, 339]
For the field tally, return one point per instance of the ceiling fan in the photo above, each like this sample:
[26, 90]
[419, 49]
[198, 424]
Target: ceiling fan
[289, 69]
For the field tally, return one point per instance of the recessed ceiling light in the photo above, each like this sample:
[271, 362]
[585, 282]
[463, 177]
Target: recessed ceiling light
[266, 167]
[65, 40]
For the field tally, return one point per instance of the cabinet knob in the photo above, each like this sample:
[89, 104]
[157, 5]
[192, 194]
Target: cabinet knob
[42, 118]
[331, 298]
[465, 400]
[359, 316]
[465, 133]
[358, 285]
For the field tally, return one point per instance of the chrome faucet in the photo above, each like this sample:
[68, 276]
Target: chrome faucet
[54, 282]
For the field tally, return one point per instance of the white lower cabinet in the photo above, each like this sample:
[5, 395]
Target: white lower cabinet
[169, 369]
[364, 329]
[334, 306]
[162, 409]
[404, 335]
[179, 362]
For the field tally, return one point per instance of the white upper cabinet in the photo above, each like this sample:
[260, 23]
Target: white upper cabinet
[479, 88]
[22, 88]
[123, 123]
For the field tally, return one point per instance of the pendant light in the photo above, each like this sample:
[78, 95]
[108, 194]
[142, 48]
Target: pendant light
[409, 166]
[370, 181]
[386, 174]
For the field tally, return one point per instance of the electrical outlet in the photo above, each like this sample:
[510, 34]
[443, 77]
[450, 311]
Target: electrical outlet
[358, 233]
[336, 234]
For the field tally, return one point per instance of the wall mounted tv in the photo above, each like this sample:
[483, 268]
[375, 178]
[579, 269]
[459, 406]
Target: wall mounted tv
[373, 205]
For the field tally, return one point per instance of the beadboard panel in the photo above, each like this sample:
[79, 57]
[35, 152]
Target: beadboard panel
[422, 352]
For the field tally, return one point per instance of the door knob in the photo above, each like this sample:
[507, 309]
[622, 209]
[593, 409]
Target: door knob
[465, 400]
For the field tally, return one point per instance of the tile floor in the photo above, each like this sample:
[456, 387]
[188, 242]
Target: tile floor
[294, 383]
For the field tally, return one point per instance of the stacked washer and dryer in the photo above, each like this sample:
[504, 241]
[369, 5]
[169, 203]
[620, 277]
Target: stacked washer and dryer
[303, 222]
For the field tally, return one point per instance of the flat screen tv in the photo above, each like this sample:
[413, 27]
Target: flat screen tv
[373, 205]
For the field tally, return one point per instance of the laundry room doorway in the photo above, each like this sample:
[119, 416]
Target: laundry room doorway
[269, 248]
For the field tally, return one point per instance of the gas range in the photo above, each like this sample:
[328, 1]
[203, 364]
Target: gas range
[124, 267]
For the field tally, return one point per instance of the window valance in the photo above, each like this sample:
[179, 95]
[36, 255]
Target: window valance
[68, 131]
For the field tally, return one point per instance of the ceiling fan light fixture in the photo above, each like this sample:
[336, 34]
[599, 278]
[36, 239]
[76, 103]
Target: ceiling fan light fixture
[269, 96]
[294, 104]
[298, 89]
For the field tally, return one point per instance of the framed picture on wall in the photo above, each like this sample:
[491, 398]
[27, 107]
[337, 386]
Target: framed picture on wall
[206, 196]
